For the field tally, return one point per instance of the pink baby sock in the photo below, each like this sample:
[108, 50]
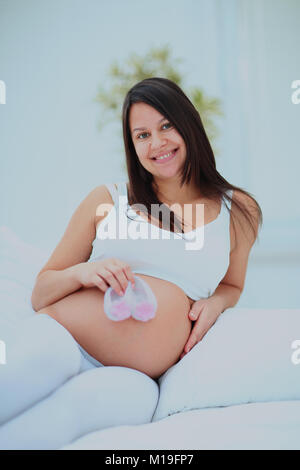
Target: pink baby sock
[120, 311]
[138, 302]
[144, 311]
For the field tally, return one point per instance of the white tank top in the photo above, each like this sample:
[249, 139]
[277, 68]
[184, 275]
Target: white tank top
[195, 261]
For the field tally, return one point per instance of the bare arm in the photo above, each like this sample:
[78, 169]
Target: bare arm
[53, 285]
[58, 277]
[227, 296]
[205, 312]
[231, 287]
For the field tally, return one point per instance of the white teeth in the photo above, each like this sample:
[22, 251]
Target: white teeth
[164, 156]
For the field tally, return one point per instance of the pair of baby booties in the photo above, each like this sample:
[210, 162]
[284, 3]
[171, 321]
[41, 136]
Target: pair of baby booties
[138, 302]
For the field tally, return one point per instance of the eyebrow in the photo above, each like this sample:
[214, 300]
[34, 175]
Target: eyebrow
[143, 128]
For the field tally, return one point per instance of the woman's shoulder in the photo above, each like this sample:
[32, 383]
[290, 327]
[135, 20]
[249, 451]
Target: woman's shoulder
[247, 205]
[247, 201]
[106, 193]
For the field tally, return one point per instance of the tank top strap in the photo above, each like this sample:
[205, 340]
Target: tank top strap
[225, 214]
[122, 189]
[114, 193]
[229, 192]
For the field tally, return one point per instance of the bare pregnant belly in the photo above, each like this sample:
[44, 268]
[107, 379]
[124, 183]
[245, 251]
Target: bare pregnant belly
[150, 347]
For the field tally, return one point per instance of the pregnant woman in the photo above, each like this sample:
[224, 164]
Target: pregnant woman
[192, 255]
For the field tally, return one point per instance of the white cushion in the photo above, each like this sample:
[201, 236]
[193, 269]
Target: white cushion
[20, 263]
[273, 425]
[245, 357]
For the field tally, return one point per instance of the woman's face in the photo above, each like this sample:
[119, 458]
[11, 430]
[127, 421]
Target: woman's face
[154, 136]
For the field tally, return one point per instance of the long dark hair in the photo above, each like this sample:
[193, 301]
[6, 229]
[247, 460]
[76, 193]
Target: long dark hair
[167, 97]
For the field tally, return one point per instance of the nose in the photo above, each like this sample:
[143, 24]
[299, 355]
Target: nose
[158, 141]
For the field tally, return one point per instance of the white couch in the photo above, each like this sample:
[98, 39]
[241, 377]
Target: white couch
[239, 388]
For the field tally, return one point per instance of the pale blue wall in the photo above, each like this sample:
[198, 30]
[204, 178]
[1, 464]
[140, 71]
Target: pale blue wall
[53, 56]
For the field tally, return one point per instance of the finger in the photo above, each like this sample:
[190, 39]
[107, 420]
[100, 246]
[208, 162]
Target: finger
[129, 274]
[205, 325]
[99, 282]
[193, 315]
[203, 333]
[120, 276]
[199, 331]
[190, 343]
[195, 312]
[111, 281]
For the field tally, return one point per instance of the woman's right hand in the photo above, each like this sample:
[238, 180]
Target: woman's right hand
[110, 272]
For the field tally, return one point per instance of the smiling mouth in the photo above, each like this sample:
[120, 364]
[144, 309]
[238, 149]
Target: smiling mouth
[166, 158]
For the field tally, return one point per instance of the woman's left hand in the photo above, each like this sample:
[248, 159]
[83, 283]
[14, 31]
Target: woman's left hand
[204, 313]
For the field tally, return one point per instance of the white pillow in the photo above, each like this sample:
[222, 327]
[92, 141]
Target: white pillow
[245, 357]
[20, 263]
